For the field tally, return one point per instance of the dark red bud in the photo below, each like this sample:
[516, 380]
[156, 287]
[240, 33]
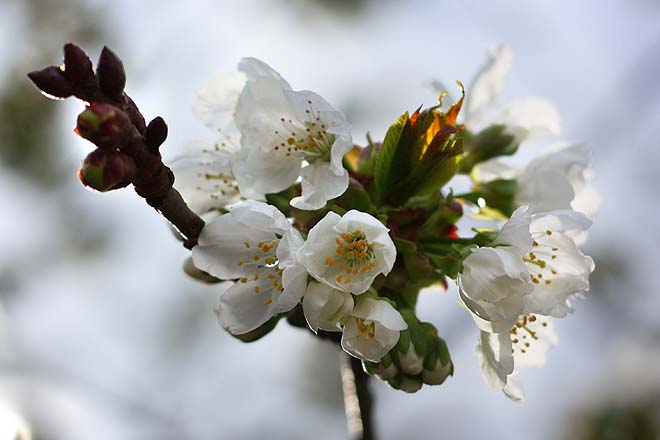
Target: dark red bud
[156, 133]
[105, 170]
[112, 77]
[457, 207]
[104, 124]
[77, 65]
[52, 82]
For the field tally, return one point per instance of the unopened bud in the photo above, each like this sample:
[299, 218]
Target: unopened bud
[437, 365]
[105, 170]
[411, 363]
[104, 125]
[156, 133]
[410, 384]
[52, 82]
[77, 65]
[112, 77]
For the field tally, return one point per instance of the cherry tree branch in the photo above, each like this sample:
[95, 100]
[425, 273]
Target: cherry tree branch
[152, 181]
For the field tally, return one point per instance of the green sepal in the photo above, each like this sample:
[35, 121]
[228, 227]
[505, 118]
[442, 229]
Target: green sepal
[404, 246]
[491, 142]
[498, 194]
[355, 197]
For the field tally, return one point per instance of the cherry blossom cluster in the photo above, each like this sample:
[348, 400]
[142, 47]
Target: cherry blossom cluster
[306, 218]
[299, 220]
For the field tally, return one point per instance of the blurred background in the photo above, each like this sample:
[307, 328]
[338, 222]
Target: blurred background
[102, 336]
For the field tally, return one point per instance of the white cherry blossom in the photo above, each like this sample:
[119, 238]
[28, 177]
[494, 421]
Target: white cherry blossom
[534, 266]
[325, 307]
[255, 245]
[372, 329]
[532, 117]
[204, 170]
[348, 252]
[287, 134]
[502, 355]
[558, 179]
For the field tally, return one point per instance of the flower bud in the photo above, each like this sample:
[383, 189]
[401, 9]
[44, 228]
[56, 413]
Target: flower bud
[52, 82]
[437, 365]
[77, 65]
[410, 384]
[112, 77]
[104, 125]
[411, 363]
[104, 170]
[156, 133]
[493, 141]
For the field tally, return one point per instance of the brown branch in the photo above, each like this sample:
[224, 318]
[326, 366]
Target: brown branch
[153, 180]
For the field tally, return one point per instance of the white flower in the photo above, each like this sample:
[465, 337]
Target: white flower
[495, 281]
[348, 252]
[535, 267]
[287, 134]
[558, 179]
[254, 244]
[203, 171]
[204, 178]
[372, 330]
[524, 118]
[502, 355]
[325, 307]
[529, 117]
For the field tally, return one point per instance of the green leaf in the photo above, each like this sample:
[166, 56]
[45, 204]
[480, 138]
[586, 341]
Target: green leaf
[404, 246]
[385, 157]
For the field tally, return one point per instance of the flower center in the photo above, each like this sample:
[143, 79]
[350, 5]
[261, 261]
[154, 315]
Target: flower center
[268, 276]
[522, 335]
[308, 139]
[367, 328]
[539, 262]
[354, 255]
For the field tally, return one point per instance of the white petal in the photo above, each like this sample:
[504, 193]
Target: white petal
[288, 247]
[515, 232]
[559, 221]
[535, 115]
[254, 68]
[241, 309]
[294, 281]
[545, 190]
[204, 178]
[494, 351]
[493, 274]
[488, 84]
[493, 169]
[221, 249]
[216, 101]
[380, 311]
[537, 347]
[264, 173]
[260, 216]
[370, 349]
[319, 185]
[324, 306]
[513, 389]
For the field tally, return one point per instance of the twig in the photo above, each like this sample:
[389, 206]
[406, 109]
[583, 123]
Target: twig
[153, 180]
